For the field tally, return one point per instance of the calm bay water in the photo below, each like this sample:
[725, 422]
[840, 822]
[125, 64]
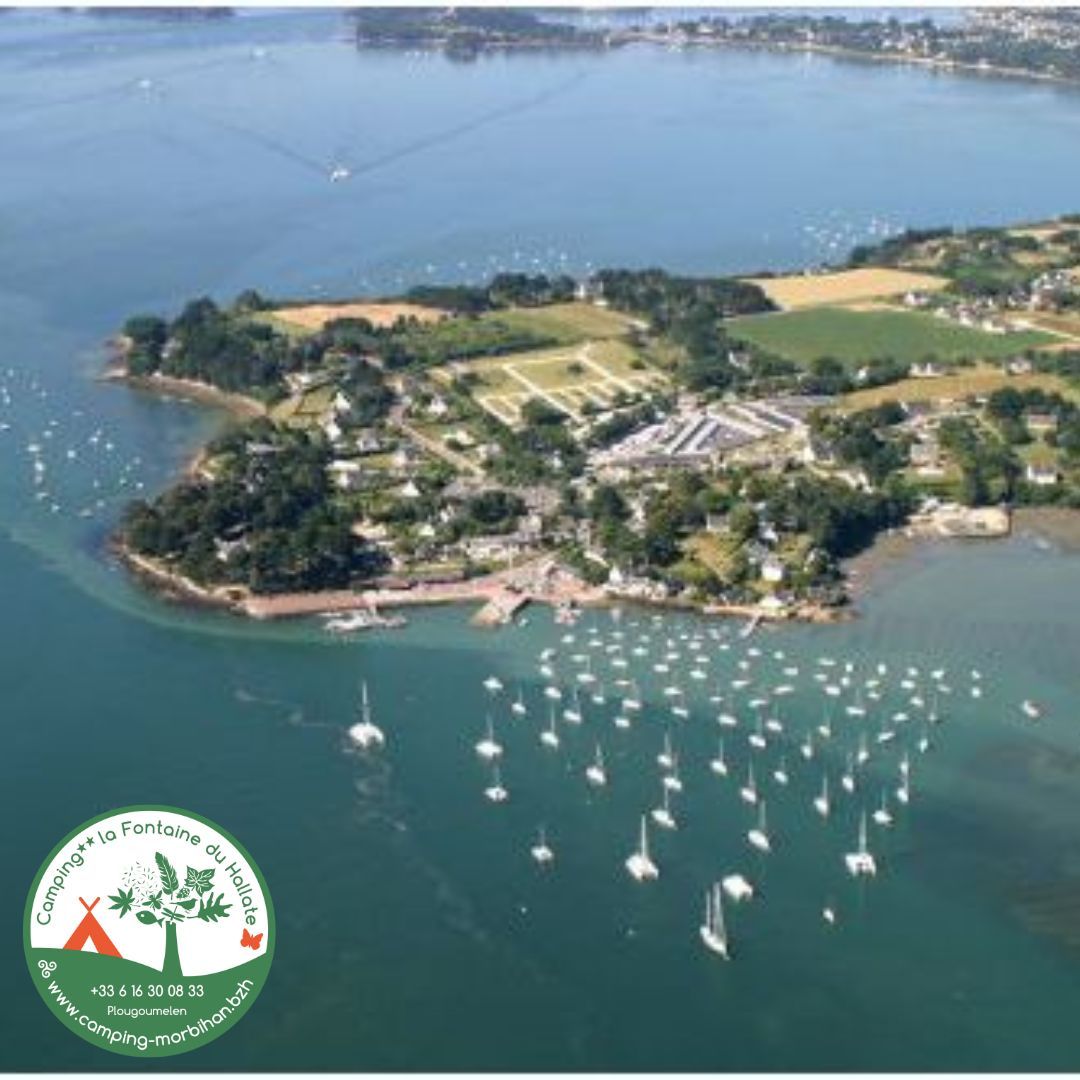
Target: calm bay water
[415, 931]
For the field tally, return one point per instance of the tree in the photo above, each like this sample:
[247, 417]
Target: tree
[161, 900]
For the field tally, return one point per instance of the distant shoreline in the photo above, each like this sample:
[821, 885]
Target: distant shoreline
[116, 370]
[929, 62]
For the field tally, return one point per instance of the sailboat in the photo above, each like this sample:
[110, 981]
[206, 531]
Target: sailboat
[718, 763]
[666, 757]
[493, 684]
[632, 703]
[738, 888]
[572, 714]
[549, 736]
[759, 835]
[903, 792]
[518, 707]
[748, 793]
[488, 748]
[639, 865]
[882, 815]
[757, 736]
[726, 719]
[847, 780]
[712, 930]
[662, 815]
[821, 802]
[673, 782]
[862, 756]
[495, 792]
[596, 774]
[807, 746]
[780, 773]
[861, 862]
[365, 733]
[541, 851]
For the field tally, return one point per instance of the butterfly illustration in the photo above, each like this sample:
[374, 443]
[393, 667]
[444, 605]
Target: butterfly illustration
[253, 941]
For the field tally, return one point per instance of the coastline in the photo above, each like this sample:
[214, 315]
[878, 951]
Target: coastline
[500, 596]
[929, 62]
[239, 405]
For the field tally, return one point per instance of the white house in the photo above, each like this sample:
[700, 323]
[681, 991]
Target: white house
[772, 571]
[1041, 475]
[345, 474]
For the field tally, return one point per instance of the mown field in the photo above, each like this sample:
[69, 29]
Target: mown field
[857, 336]
[968, 382]
[793, 291]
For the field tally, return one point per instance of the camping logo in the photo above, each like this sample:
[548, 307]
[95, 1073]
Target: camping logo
[149, 931]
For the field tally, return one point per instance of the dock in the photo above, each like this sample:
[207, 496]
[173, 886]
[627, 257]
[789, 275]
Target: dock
[500, 610]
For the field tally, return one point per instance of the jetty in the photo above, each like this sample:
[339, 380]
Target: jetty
[501, 595]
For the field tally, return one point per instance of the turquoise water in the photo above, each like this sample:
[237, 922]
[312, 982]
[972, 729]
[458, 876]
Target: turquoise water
[415, 930]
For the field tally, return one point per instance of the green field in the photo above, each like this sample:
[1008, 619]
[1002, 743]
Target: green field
[857, 336]
[567, 323]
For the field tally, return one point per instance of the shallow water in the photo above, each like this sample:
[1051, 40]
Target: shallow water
[415, 930]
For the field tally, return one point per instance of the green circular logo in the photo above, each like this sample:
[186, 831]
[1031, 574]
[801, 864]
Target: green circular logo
[149, 931]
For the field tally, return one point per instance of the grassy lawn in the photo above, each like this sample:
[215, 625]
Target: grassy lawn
[304, 410]
[568, 323]
[967, 382]
[857, 336]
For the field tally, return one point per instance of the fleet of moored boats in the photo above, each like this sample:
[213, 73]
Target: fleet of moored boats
[588, 684]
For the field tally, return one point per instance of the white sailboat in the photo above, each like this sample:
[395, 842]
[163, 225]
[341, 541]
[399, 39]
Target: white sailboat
[719, 763]
[666, 758]
[780, 773]
[518, 707]
[365, 733]
[488, 748]
[758, 836]
[493, 684]
[847, 780]
[673, 782]
[861, 862]
[748, 793]
[882, 815]
[495, 792]
[639, 865]
[738, 888]
[550, 736]
[713, 931]
[821, 802]
[632, 702]
[757, 736]
[572, 713]
[541, 851]
[662, 814]
[596, 773]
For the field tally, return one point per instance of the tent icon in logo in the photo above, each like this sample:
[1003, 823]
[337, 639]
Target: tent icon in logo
[91, 930]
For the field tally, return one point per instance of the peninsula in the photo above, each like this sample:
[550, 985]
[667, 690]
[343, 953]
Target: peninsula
[723, 443]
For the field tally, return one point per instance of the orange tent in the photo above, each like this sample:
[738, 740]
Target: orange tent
[90, 929]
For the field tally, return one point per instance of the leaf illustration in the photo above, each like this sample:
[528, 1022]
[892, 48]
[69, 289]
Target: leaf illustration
[122, 901]
[200, 880]
[147, 917]
[169, 881]
[211, 910]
